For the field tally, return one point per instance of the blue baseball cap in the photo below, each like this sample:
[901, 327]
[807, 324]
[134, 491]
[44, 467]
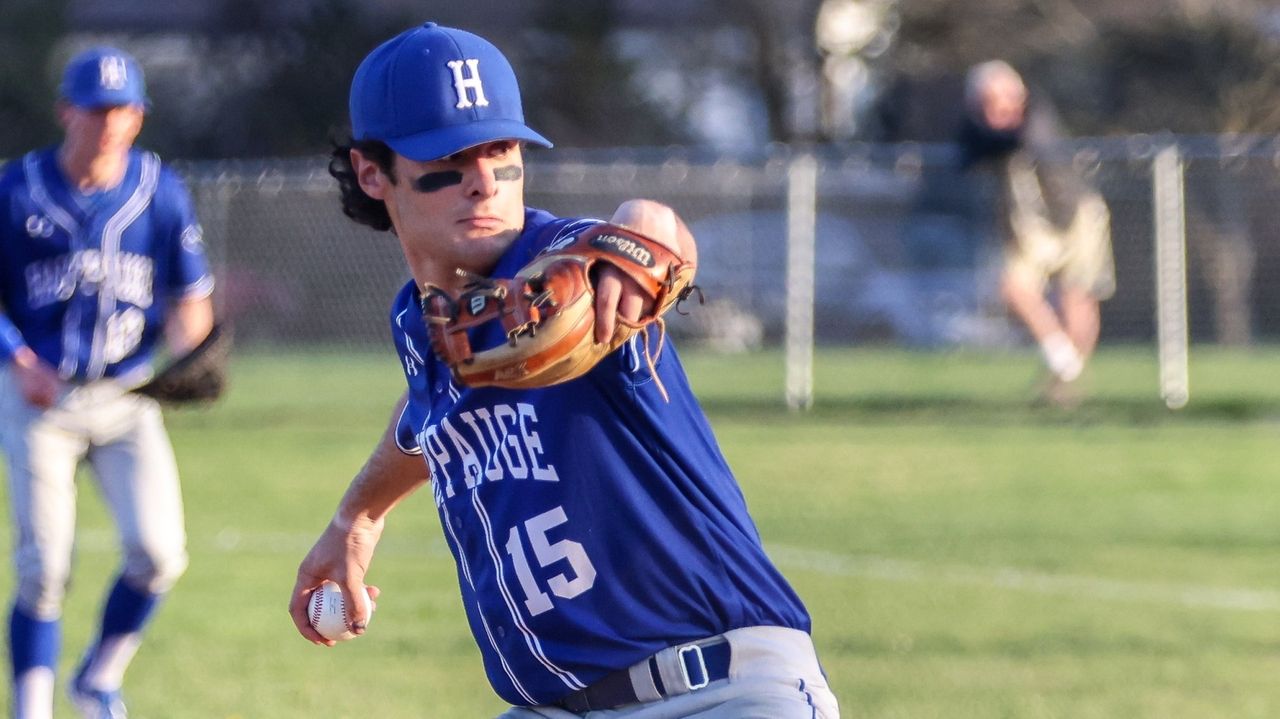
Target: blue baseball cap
[432, 91]
[104, 77]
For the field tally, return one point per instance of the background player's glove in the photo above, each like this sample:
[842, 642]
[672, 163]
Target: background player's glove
[548, 310]
[199, 375]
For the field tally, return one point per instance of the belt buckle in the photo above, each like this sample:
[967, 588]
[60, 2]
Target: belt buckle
[705, 679]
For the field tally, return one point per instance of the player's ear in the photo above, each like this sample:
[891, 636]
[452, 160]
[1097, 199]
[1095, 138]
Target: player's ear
[369, 174]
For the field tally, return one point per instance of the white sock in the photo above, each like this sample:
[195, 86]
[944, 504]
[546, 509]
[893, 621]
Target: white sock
[1061, 355]
[110, 660]
[33, 694]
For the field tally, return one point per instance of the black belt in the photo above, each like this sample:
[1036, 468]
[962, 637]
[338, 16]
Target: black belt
[701, 664]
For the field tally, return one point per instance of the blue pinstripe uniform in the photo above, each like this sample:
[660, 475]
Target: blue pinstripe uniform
[592, 522]
[85, 281]
[604, 552]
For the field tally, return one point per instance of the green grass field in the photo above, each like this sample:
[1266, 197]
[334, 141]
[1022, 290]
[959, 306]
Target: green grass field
[964, 554]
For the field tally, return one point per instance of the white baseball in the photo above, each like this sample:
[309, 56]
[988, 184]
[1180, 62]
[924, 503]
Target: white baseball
[327, 611]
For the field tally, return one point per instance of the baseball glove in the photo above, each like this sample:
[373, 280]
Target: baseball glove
[548, 311]
[198, 376]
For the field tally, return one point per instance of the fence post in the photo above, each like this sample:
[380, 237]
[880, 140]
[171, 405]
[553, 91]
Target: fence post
[1171, 276]
[802, 204]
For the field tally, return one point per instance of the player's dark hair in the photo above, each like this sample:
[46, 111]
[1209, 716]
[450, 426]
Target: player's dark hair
[355, 203]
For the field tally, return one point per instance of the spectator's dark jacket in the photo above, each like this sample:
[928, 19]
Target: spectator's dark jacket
[1036, 144]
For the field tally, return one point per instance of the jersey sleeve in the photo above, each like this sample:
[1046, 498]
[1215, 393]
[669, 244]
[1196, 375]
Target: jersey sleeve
[405, 439]
[189, 275]
[410, 344]
[555, 232]
[11, 338]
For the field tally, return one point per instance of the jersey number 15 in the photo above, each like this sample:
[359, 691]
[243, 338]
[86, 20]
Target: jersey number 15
[548, 553]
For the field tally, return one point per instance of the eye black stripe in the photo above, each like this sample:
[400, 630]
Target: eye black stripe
[433, 181]
[510, 173]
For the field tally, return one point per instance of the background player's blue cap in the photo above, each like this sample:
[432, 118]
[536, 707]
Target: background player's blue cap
[432, 91]
[104, 77]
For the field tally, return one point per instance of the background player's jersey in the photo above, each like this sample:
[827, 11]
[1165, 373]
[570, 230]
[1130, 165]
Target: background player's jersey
[87, 279]
[593, 524]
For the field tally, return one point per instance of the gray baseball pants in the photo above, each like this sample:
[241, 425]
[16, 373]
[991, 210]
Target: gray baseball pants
[123, 438]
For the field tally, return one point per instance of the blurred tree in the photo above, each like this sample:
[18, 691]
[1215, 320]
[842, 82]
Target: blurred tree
[265, 88]
[253, 80]
[27, 89]
[773, 67]
[1113, 68]
[262, 88]
[1187, 72]
[304, 98]
[938, 39]
[1203, 70]
[578, 89]
[1172, 66]
[260, 82]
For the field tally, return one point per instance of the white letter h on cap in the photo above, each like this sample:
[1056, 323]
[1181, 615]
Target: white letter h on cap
[112, 72]
[461, 83]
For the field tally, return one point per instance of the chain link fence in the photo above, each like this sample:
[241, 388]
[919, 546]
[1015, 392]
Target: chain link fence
[903, 251]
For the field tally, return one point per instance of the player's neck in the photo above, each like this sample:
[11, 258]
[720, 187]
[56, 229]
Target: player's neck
[427, 271]
[438, 266]
[92, 172]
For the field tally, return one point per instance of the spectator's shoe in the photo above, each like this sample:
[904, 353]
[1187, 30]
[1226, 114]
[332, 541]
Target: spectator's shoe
[95, 703]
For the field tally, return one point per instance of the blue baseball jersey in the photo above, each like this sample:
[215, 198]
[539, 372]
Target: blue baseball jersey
[592, 522]
[85, 280]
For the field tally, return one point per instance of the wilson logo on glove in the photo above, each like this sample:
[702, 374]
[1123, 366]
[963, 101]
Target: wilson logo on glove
[630, 249]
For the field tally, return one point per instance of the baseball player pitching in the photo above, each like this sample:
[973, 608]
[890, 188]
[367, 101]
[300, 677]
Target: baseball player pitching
[604, 552]
[100, 257]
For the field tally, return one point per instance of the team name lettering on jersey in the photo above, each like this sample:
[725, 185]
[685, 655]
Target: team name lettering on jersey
[55, 279]
[134, 275]
[486, 444]
[50, 281]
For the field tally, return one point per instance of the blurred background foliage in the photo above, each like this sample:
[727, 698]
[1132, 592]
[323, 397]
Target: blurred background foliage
[238, 78]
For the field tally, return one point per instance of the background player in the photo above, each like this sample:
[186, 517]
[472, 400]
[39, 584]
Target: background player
[100, 255]
[1056, 229]
[604, 551]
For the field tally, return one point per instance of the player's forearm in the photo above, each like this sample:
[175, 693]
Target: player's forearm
[386, 478]
[188, 324]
